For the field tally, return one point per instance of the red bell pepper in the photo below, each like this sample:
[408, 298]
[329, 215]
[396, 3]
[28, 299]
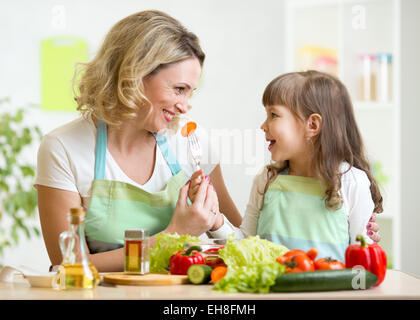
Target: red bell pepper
[182, 260]
[372, 257]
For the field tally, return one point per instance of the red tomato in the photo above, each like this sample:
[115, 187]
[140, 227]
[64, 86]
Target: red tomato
[296, 261]
[328, 264]
[294, 252]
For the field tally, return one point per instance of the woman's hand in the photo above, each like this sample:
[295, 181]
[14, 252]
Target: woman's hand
[372, 229]
[199, 217]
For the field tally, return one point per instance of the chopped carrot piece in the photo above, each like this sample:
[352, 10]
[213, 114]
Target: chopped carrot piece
[188, 128]
[218, 273]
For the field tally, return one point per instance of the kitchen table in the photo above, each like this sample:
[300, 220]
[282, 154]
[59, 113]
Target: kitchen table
[397, 285]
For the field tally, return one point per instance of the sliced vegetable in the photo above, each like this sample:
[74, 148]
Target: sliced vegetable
[218, 273]
[188, 128]
[199, 273]
[182, 260]
[323, 280]
[328, 264]
[372, 257]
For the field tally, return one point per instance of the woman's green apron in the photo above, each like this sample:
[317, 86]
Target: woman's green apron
[116, 206]
[294, 215]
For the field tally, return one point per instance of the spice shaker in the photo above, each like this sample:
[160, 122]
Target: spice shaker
[136, 248]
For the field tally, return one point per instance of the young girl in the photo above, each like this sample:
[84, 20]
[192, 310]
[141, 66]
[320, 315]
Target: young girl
[318, 191]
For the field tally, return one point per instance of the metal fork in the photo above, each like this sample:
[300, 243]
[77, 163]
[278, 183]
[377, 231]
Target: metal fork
[194, 148]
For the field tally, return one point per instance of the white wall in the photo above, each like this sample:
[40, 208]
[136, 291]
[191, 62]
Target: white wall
[410, 177]
[243, 40]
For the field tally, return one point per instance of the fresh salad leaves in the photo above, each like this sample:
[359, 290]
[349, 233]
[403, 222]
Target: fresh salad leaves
[257, 278]
[252, 265]
[250, 251]
[167, 245]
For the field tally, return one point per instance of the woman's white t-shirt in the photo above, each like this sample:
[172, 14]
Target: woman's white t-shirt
[66, 159]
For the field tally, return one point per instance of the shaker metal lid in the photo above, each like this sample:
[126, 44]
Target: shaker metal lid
[136, 233]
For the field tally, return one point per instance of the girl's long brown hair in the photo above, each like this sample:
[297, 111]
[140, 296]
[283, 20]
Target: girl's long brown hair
[339, 140]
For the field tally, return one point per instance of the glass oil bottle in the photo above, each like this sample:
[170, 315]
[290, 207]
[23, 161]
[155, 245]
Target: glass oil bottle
[76, 271]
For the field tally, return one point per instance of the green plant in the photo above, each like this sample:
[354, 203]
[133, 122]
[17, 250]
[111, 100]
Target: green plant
[18, 198]
[378, 173]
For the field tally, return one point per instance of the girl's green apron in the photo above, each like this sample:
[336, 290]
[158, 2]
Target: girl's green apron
[116, 206]
[294, 215]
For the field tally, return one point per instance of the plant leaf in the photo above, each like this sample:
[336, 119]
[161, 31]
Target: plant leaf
[18, 200]
[27, 171]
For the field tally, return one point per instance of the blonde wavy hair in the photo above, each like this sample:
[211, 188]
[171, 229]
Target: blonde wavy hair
[111, 85]
[339, 140]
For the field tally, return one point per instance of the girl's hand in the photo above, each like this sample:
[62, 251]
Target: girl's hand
[373, 228]
[197, 218]
[195, 182]
[219, 221]
[216, 211]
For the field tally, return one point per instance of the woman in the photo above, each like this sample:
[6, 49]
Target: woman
[118, 161]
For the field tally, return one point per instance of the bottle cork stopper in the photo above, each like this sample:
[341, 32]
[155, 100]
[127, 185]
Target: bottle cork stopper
[77, 211]
[77, 215]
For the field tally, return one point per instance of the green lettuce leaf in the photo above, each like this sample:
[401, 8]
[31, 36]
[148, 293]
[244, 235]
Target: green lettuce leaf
[252, 265]
[249, 251]
[167, 245]
[256, 278]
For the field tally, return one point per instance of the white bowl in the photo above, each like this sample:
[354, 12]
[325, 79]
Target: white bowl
[41, 281]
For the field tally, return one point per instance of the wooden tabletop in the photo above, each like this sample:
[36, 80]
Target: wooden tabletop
[397, 285]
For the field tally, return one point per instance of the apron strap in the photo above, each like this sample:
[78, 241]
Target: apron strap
[100, 151]
[169, 156]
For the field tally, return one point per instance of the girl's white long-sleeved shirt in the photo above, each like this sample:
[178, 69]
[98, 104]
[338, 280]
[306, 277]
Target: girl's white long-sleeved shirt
[357, 202]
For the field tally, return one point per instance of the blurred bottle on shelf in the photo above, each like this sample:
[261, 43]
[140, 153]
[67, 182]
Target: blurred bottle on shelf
[384, 83]
[367, 78]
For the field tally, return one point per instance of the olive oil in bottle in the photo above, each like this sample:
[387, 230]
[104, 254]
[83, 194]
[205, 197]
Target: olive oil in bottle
[76, 271]
[75, 276]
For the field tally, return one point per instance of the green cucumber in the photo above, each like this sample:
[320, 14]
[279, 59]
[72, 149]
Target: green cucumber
[199, 273]
[324, 280]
